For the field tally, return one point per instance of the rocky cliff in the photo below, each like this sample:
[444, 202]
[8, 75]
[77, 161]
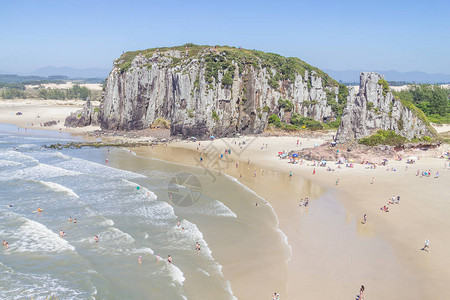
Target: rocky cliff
[86, 116]
[374, 107]
[205, 90]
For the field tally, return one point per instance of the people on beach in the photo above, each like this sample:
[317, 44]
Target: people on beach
[314, 171]
[427, 246]
[169, 259]
[361, 292]
[337, 181]
[365, 218]
[290, 174]
[276, 296]
[62, 233]
[197, 247]
[398, 199]
[178, 223]
[373, 180]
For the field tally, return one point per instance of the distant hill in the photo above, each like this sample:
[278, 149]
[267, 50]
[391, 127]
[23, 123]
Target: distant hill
[71, 72]
[391, 75]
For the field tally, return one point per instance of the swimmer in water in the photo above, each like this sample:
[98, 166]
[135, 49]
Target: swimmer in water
[39, 209]
[140, 260]
[75, 220]
[96, 238]
[7, 245]
[178, 223]
[157, 257]
[197, 247]
[62, 233]
[70, 219]
[4, 243]
[169, 259]
[9, 205]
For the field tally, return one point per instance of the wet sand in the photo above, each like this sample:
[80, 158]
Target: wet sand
[330, 246]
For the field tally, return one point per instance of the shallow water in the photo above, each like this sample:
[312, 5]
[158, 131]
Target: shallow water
[125, 202]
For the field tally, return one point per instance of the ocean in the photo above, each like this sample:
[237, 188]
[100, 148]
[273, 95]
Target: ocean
[133, 204]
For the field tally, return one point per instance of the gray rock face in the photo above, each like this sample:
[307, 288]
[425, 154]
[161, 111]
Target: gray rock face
[84, 117]
[376, 108]
[162, 86]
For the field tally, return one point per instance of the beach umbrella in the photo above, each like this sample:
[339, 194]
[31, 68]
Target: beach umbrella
[295, 155]
[280, 152]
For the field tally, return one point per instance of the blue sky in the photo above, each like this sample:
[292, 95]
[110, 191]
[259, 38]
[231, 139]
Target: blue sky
[339, 35]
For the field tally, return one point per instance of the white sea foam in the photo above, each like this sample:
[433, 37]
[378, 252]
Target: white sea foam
[203, 272]
[93, 168]
[117, 236]
[41, 171]
[107, 222]
[36, 237]
[59, 188]
[156, 212]
[17, 156]
[143, 190]
[10, 163]
[174, 272]
[144, 250]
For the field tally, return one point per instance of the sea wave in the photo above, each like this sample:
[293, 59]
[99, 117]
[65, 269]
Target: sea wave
[59, 188]
[36, 237]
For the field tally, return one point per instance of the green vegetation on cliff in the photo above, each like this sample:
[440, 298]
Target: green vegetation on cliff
[389, 137]
[221, 58]
[432, 100]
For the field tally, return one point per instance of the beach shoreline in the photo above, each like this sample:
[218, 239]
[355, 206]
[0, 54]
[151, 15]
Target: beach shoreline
[399, 269]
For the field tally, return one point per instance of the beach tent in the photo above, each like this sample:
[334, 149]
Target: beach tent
[295, 155]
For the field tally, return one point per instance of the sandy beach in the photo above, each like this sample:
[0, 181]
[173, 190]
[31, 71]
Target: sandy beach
[333, 253]
[37, 112]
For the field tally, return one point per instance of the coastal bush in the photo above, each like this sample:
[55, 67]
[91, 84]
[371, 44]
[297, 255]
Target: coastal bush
[304, 122]
[285, 104]
[227, 79]
[383, 137]
[215, 116]
[161, 123]
[384, 85]
[266, 109]
[433, 100]
[275, 120]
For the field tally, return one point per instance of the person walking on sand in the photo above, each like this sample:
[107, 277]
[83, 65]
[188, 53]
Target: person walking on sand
[427, 246]
[365, 218]
[373, 180]
[314, 171]
[361, 292]
[290, 174]
[337, 181]
[398, 199]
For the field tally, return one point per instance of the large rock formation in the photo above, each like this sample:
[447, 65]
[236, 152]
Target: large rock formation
[86, 116]
[374, 107]
[220, 91]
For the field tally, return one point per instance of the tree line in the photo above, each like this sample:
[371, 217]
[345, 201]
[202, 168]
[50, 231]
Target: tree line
[433, 100]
